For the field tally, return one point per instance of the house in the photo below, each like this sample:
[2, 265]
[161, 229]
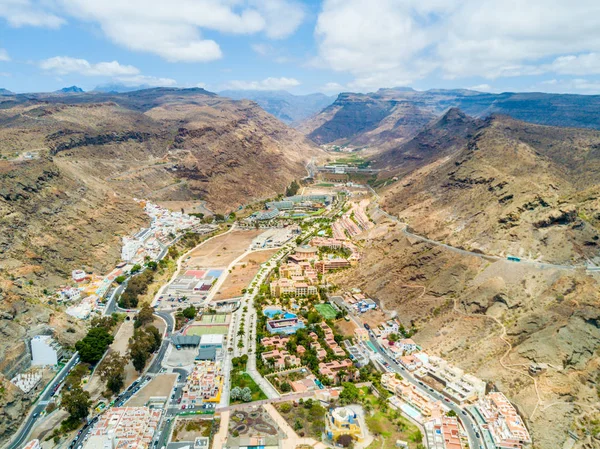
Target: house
[443, 433]
[407, 345]
[410, 362]
[79, 275]
[300, 350]
[343, 421]
[361, 334]
[45, 351]
[332, 370]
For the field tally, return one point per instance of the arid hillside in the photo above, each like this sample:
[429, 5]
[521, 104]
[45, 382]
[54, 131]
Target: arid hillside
[505, 188]
[71, 166]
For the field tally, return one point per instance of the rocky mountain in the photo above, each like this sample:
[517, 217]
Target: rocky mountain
[116, 88]
[5, 91]
[70, 90]
[364, 119]
[513, 189]
[285, 106]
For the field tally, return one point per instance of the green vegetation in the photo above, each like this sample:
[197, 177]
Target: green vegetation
[112, 371]
[326, 310]
[306, 417]
[189, 312]
[144, 316]
[137, 286]
[92, 347]
[292, 189]
[144, 342]
[243, 380]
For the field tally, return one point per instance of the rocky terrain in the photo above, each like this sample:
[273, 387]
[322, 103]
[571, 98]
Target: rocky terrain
[391, 116]
[502, 187]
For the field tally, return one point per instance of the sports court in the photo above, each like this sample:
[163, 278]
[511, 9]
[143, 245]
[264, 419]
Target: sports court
[207, 329]
[213, 319]
[326, 311]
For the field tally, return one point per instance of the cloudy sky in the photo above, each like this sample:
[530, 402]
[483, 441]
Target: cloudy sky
[302, 46]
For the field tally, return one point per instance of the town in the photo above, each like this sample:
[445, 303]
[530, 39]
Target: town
[231, 334]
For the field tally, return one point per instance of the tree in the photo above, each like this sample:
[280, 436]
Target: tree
[144, 316]
[112, 371]
[246, 394]
[142, 344]
[344, 440]
[76, 402]
[120, 279]
[152, 265]
[285, 407]
[349, 394]
[313, 317]
[189, 312]
[451, 413]
[137, 267]
[235, 393]
[92, 347]
[292, 189]
[286, 387]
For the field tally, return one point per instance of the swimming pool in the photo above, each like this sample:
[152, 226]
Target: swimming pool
[273, 311]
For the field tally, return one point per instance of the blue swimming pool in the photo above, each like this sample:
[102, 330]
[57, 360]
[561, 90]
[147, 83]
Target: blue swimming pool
[273, 311]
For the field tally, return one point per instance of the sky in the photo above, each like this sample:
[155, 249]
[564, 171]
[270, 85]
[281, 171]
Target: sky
[307, 46]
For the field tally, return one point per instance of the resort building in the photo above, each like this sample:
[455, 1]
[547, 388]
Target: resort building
[343, 421]
[323, 266]
[503, 422]
[280, 359]
[411, 395]
[332, 370]
[285, 326]
[291, 287]
[276, 342]
[305, 253]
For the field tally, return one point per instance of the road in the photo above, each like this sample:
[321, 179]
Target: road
[21, 436]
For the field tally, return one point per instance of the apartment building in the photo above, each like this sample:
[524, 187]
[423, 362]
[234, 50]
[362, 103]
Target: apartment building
[443, 433]
[204, 383]
[503, 422]
[124, 427]
[323, 266]
[411, 395]
[361, 334]
[462, 388]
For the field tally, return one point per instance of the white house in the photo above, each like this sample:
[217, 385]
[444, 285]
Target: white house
[407, 345]
[45, 351]
[130, 249]
[79, 275]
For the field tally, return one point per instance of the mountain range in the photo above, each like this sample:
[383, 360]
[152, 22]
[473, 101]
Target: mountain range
[388, 117]
[288, 108]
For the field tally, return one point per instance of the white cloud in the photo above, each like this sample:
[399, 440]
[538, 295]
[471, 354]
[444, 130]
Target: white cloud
[266, 84]
[261, 49]
[173, 30]
[482, 88]
[577, 85]
[332, 88]
[20, 13]
[4, 55]
[394, 42]
[64, 65]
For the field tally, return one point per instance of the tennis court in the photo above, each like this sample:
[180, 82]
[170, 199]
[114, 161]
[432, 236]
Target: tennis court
[326, 311]
[204, 330]
[213, 319]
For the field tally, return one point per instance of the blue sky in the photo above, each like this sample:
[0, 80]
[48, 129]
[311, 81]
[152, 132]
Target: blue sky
[312, 46]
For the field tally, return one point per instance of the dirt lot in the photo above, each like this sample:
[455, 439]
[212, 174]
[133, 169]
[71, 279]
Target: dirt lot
[346, 327]
[161, 385]
[189, 207]
[374, 317]
[222, 250]
[242, 274]
[187, 429]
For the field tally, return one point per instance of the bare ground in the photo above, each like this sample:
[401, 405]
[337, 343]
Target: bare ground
[243, 272]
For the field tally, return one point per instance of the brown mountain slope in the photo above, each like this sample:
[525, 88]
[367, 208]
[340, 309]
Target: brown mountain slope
[436, 140]
[70, 205]
[462, 305]
[514, 188]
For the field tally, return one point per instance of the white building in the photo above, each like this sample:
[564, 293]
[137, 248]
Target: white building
[45, 351]
[130, 249]
[79, 275]
[69, 294]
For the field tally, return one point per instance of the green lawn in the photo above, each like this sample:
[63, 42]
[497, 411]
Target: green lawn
[243, 380]
[326, 311]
